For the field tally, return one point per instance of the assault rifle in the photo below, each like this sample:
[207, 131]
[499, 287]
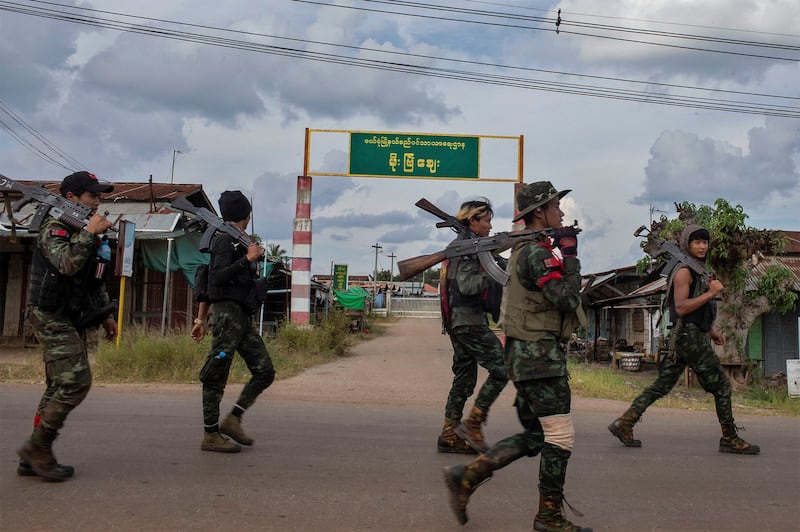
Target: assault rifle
[484, 247]
[447, 220]
[71, 214]
[213, 224]
[676, 256]
[95, 317]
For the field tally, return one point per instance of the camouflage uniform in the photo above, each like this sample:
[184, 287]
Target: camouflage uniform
[232, 292]
[232, 331]
[473, 342]
[539, 367]
[692, 348]
[690, 345]
[66, 281]
[464, 317]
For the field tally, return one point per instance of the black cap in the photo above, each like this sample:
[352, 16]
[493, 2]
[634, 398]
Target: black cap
[83, 181]
[233, 206]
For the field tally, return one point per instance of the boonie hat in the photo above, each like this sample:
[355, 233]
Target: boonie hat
[535, 195]
[83, 181]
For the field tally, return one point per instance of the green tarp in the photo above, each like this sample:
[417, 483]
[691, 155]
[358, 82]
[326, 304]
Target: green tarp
[185, 256]
[353, 298]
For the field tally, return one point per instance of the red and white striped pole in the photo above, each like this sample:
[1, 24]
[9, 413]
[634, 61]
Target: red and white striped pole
[301, 254]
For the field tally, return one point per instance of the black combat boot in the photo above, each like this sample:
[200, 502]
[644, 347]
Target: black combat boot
[470, 430]
[732, 443]
[462, 481]
[622, 428]
[24, 469]
[550, 517]
[38, 453]
[450, 442]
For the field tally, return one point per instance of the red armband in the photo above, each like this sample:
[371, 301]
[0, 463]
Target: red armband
[549, 277]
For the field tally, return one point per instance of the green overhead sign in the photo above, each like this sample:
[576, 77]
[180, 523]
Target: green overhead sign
[411, 155]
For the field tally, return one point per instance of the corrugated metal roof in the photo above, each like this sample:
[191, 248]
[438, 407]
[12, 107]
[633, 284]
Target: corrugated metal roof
[129, 191]
[660, 284]
[791, 263]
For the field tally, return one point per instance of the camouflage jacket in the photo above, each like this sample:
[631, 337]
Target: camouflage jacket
[466, 287]
[65, 275]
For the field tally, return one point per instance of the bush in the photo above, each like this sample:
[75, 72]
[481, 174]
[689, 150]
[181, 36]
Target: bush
[146, 356]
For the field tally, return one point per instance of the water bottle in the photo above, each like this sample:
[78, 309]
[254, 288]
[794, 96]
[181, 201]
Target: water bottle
[104, 251]
[221, 355]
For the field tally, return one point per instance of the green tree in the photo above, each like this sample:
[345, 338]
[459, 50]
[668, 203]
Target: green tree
[430, 276]
[275, 251]
[384, 275]
[734, 250]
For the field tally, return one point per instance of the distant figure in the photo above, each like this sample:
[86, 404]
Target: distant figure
[464, 318]
[231, 291]
[692, 310]
[67, 289]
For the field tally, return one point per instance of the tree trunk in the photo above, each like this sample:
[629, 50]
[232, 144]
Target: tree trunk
[735, 316]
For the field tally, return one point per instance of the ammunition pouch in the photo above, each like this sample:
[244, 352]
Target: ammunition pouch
[215, 370]
[94, 317]
[261, 290]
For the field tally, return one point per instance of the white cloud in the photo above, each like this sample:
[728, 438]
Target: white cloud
[121, 103]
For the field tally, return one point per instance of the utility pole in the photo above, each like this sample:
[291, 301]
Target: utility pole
[375, 275]
[391, 268]
[172, 173]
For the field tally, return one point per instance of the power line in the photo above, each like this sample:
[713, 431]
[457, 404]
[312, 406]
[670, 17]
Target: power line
[660, 22]
[682, 100]
[55, 156]
[551, 27]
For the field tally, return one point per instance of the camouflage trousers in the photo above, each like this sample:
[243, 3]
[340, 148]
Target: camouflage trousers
[68, 377]
[690, 347]
[537, 398]
[473, 345]
[232, 331]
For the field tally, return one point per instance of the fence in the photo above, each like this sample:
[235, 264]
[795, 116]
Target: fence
[415, 307]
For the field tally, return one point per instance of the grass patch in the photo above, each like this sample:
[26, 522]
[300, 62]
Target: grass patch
[176, 358]
[604, 382]
[28, 372]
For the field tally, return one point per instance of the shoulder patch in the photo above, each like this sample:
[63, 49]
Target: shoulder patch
[551, 262]
[58, 231]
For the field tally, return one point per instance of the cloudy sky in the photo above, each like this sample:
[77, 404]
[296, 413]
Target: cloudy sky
[233, 85]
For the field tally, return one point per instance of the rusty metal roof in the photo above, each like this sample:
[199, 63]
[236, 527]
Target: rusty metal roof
[128, 191]
[790, 263]
[792, 242]
[659, 285]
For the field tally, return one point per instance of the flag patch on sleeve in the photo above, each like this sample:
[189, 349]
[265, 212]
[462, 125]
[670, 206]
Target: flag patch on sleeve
[551, 262]
[57, 231]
